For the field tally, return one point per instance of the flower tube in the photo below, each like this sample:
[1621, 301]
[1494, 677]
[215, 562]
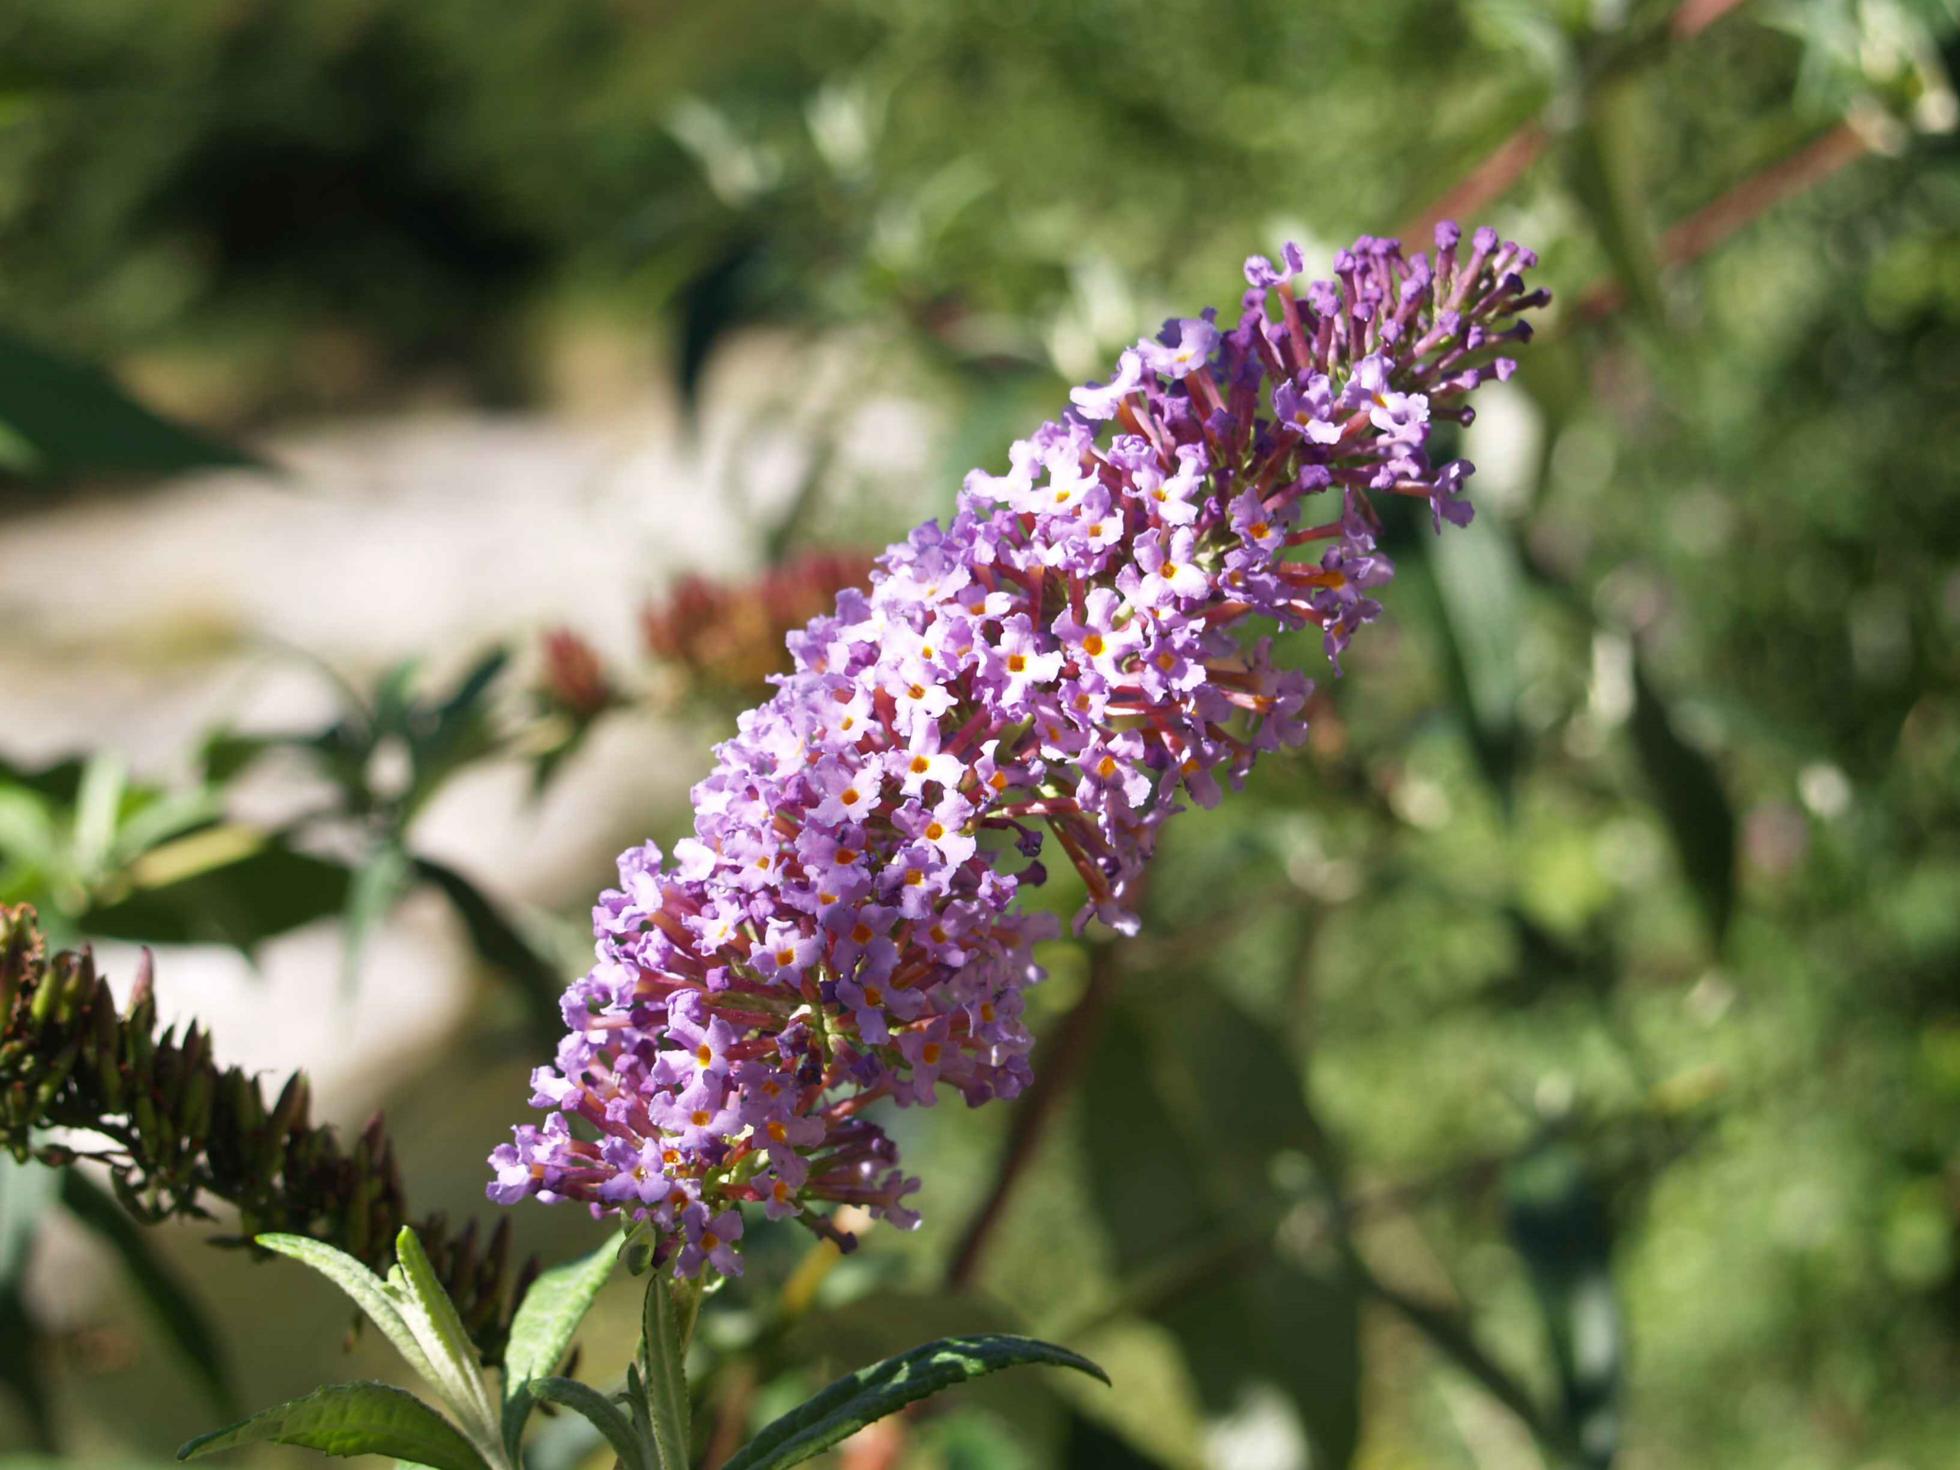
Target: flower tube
[1081, 651]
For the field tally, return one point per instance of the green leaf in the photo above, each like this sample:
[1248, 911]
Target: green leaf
[1699, 818]
[663, 1358]
[498, 943]
[432, 1317]
[350, 1419]
[376, 886]
[1562, 1226]
[849, 1404]
[542, 1328]
[262, 888]
[194, 1342]
[26, 1191]
[1471, 583]
[600, 1412]
[368, 1291]
[64, 418]
[1604, 155]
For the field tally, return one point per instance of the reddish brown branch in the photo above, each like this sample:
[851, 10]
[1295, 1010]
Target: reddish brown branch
[1691, 238]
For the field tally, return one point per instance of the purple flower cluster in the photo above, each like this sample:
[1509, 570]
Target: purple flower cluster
[1075, 654]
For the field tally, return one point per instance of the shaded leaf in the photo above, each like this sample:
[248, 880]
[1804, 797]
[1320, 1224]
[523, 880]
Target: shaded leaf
[1561, 1226]
[370, 897]
[270, 889]
[350, 1419]
[64, 418]
[194, 1341]
[1699, 818]
[26, 1191]
[870, 1394]
[498, 943]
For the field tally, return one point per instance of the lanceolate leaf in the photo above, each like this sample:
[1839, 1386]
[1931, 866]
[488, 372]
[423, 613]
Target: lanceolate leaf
[1699, 817]
[370, 1294]
[542, 1328]
[369, 898]
[871, 1393]
[351, 1419]
[663, 1354]
[176, 1311]
[432, 1317]
[601, 1413]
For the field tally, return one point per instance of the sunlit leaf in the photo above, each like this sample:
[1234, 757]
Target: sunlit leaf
[350, 1419]
[542, 1328]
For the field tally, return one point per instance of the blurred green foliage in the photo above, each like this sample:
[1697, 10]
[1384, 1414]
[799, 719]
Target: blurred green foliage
[1560, 1062]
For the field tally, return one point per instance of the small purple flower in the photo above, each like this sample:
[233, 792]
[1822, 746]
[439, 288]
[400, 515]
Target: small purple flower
[1182, 348]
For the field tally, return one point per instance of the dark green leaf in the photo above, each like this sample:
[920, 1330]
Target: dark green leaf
[1696, 808]
[242, 903]
[663, 1360]
[849, 1404]
[1561, 1226]
[63, 418]
[350, 1419]
[497, 941]
[600, 1412]
[193, 1341]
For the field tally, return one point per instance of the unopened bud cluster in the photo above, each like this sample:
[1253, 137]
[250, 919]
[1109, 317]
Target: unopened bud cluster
[179, 1132]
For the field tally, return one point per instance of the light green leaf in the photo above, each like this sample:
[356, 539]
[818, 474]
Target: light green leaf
[601, 1413]
[663, 1357]
[351, 1419]
[849, 1404]
[369, 1292]
[543, 1326]
[433, 1318]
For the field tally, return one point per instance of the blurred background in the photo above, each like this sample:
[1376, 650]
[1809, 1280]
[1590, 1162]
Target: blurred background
[420, 420]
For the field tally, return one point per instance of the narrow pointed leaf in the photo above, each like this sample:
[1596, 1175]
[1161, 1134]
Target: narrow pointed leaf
[542, 1329]
[177, 1312]
[350, 1419]
[849, 1404]
[664, 1357]
[369, 898]
[368, 1291]
[1688, 789]
[433, 1318]
[600, 1412]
